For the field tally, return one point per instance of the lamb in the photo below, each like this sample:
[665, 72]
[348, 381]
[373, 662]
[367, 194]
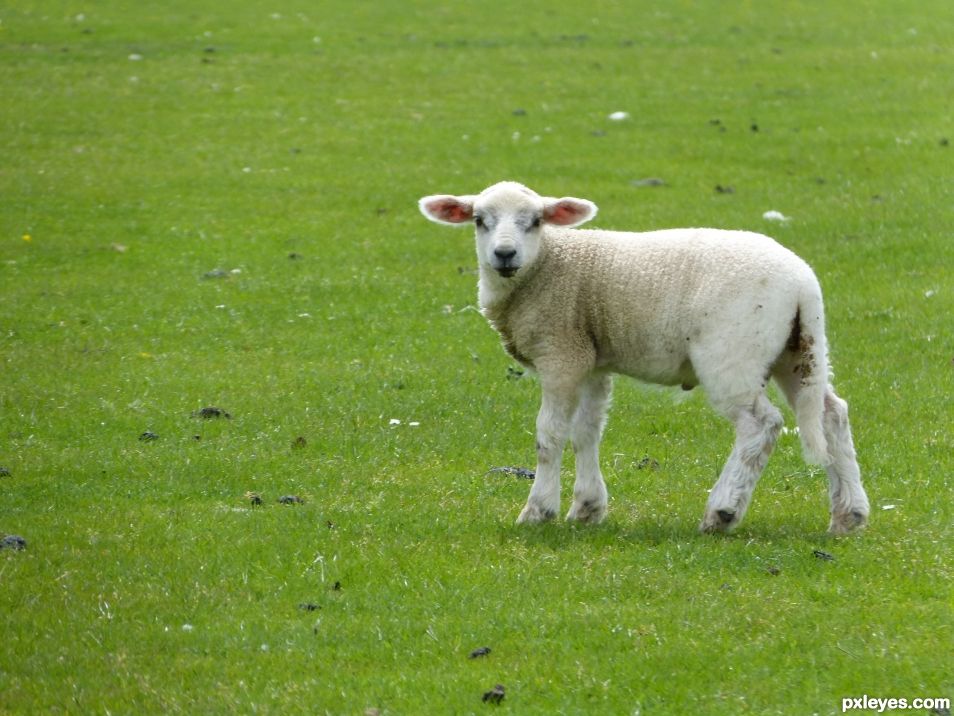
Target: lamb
[727, 310]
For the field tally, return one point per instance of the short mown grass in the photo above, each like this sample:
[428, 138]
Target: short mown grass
[281, 151]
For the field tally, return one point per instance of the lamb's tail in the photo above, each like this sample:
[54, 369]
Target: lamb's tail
[808, 344]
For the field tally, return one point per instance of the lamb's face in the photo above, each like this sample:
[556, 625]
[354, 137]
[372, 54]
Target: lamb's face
[509, 219]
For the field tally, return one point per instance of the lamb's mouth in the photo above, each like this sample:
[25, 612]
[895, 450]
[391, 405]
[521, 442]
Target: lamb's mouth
[508, 271]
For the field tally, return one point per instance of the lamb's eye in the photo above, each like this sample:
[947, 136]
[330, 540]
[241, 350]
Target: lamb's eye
[535, 222]
[479, 222]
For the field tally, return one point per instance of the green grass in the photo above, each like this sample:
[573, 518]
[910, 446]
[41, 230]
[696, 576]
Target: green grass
[246, 133]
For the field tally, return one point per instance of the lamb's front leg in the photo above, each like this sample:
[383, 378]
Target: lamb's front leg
[589, 493]
[553, 428]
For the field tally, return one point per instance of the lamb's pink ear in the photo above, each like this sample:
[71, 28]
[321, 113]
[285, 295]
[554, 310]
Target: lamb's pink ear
[447, 209]
[568, 211]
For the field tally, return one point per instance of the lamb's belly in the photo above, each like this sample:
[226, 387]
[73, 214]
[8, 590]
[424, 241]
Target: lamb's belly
[663, 366]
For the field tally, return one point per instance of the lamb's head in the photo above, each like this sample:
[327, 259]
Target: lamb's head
[509, 220]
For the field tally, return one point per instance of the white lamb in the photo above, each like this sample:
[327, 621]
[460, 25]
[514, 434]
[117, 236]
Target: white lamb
[725, 309]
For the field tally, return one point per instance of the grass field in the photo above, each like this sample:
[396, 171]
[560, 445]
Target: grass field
[214, 204]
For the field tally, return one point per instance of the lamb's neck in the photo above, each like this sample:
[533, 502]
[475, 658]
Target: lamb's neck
[493, 290]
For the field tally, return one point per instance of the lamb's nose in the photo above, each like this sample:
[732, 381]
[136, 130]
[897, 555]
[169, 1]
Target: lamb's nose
[505, 254]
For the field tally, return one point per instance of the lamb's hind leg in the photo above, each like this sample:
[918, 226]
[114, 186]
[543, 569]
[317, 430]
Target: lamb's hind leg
[589, 491]
[756, 431]
[849, 503]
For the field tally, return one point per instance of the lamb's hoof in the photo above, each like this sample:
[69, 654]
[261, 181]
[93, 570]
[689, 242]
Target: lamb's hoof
[718, 521]
[843, 523]
[587, 511]
[533, 514]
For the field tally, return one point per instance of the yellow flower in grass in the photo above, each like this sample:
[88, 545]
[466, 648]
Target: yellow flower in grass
[27, 238]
